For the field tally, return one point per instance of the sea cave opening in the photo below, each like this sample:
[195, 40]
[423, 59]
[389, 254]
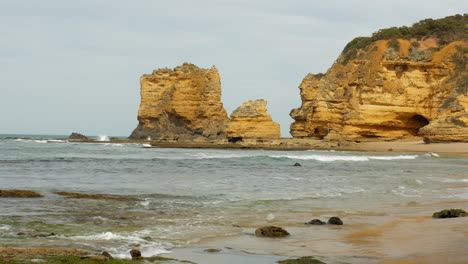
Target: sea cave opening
[415, 123]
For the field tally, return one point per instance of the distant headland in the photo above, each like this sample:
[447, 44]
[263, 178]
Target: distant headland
[401, 83]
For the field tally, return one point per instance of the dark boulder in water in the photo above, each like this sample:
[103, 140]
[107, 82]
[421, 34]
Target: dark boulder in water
[135, 253]
[450, 213]
[335, 221]
[271, 231]
[78, 136]
[301, 260]
[19, 194]
[212, 250]
[315, 222]
[297, 164]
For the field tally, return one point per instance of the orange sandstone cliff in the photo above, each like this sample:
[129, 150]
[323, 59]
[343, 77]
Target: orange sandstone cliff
[390, 89]
[183, 102]
[251, 120]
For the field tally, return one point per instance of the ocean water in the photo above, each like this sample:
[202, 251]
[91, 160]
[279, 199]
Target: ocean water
[178, 197]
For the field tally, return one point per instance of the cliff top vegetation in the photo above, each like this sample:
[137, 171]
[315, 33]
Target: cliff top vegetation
[446, 30]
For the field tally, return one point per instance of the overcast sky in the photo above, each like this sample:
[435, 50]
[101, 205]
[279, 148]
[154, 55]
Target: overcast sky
[74, 66]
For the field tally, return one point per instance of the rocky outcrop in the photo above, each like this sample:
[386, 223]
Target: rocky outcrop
[19, 194]
[391, 89]
[271, 231]
[251, 120]
[78, 136]
[183, 102]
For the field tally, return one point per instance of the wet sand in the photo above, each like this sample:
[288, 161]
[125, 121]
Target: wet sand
[414, 146]
[392, 235]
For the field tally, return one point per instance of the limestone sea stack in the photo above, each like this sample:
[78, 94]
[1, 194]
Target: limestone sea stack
[181, 102]
[399, 83]
[251, 120]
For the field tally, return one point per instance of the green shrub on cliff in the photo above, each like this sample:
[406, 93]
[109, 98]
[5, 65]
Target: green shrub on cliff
[447, 29]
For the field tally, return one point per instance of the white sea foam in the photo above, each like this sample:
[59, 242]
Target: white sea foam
[432, 154]
[451, 180]
[406, 192]
[458, 193]
[220, 156]
[57, 141]
[5, 227]
[145, 203]
[103, 138]
[113, 144]
[99, 218]
[146, 251]
[31, 140]
[331, 158]
[124, 242]
[270, 217]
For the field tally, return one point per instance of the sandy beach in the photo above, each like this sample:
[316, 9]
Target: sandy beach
[414, 146]
[404, 234]
[395, 235]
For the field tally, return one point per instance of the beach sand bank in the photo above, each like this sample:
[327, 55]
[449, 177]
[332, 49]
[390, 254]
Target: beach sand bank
[392, 235]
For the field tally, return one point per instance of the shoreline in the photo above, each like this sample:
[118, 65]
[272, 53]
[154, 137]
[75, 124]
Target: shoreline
[414, 145]
[395, 234]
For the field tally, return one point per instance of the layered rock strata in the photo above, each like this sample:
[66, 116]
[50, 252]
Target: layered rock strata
[183, 102]
[251, 120]
[390, 90]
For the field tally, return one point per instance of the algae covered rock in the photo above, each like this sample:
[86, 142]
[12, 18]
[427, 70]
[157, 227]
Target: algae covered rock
[271, 231]
[19, 194]
[301, 260]
[450, 213]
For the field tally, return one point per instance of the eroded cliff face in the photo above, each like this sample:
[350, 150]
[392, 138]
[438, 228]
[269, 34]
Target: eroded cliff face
[183, 102]
[393, 89]
[251, 120]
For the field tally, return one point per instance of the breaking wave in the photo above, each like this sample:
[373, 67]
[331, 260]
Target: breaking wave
[148, 247]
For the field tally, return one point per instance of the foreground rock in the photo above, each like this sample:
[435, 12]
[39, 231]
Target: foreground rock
[301, 260]
[19, 194]
[271, 231]
[135, 253]
[450, 213]
[387, 89]
[335, 221]
[183, 102]
[251, 120]
[315, 222]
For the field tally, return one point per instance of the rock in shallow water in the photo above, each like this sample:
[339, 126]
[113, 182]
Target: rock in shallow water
[450, 213]
[315, 222]
[335, 221]
[301, 260]
[19, 194]
[271, 231]
[135, 253]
